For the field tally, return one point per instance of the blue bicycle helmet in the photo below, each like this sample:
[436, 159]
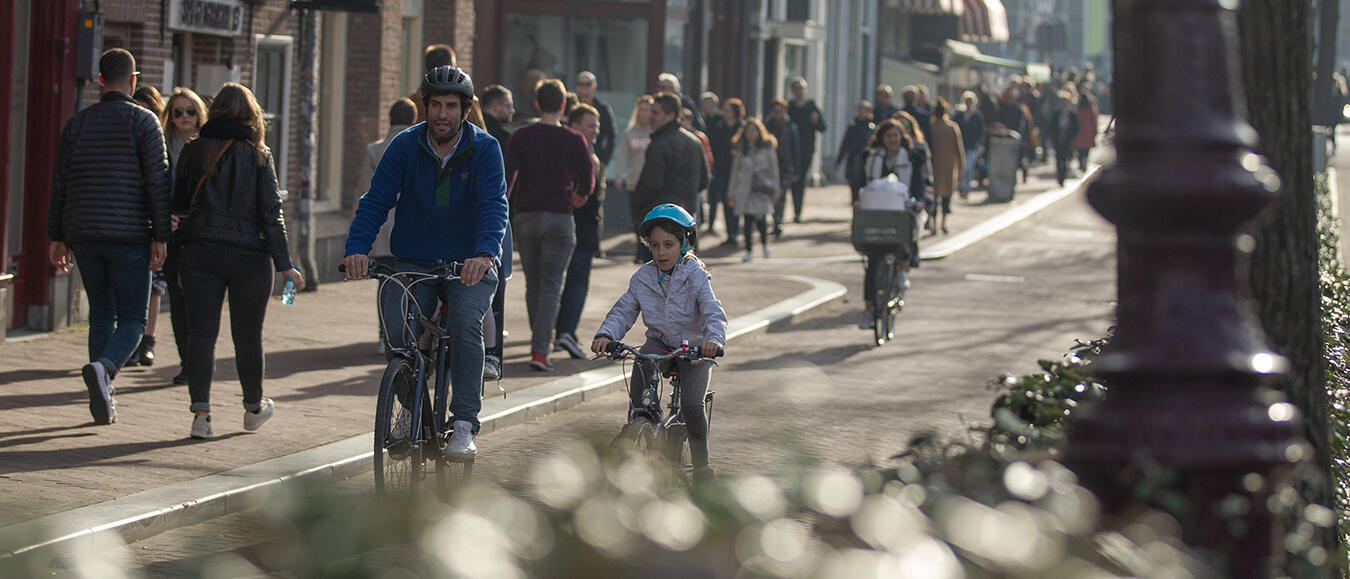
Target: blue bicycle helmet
[674, 214]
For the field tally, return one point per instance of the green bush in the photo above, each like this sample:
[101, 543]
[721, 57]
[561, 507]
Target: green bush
[1335, 285]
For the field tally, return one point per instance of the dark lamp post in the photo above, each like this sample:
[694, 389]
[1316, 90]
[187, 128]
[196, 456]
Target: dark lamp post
[1189, 425]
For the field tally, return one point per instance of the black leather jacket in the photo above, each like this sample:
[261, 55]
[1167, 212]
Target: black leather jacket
[238, 203]
[111, 182]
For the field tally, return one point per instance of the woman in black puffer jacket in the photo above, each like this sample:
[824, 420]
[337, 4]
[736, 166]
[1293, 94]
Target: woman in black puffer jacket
[228, 212]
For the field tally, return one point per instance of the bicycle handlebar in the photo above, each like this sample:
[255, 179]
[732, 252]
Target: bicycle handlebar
[616, 350]
[378, 270]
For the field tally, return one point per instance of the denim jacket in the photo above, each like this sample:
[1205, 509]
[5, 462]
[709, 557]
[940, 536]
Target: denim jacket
[685, 310]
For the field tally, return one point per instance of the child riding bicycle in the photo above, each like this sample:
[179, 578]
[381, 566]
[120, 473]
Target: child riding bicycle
[673, 292]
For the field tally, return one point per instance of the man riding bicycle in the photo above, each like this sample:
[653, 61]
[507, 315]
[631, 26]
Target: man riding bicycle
[446, 182]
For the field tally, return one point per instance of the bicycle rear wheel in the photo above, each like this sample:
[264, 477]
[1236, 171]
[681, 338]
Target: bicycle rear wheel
[399, 461]
[677, 448]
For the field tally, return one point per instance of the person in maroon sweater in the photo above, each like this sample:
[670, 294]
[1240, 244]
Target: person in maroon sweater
[549, 173]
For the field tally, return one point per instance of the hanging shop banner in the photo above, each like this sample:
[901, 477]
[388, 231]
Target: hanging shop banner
[217, 17]
[338, 5]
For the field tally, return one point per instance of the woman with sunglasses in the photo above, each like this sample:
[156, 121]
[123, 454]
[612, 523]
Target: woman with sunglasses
[182, 118]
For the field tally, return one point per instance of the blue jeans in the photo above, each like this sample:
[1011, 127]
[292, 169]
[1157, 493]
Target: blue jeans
[116, 278]
[466, 307]
[574, 291]
[972, 156]
[717, 191]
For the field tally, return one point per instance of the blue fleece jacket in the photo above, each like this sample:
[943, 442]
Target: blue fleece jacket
[450, 213]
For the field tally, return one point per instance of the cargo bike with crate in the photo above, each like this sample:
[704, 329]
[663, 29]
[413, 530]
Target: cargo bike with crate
[886, 227]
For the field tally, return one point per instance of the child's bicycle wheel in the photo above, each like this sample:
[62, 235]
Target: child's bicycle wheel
[638, 436]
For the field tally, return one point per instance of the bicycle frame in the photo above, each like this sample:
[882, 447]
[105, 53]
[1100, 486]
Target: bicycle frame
[411, 348]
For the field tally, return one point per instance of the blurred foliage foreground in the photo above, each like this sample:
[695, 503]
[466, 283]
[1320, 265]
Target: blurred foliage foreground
[992, 503]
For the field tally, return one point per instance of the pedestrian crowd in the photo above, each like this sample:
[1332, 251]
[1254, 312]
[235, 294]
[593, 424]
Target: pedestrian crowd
[178, 197]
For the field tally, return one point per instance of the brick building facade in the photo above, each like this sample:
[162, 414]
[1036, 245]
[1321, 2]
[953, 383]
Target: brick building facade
[365, 62]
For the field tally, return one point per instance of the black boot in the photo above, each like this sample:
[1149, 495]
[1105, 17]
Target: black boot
[147, 351]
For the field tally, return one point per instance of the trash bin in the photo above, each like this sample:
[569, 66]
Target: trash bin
[1002, 159]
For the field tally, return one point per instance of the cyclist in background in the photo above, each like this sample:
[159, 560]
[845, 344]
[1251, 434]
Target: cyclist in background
[444, 178]
[893, 151]
[673, 292]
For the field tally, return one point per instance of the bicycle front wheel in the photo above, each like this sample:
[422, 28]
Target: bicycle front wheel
[399, 460]
[880, 299]
[639, 435]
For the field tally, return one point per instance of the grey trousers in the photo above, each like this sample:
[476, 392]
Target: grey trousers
[545, 242]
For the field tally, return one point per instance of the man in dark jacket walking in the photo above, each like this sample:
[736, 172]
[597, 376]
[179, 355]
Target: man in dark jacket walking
[605, 142]
[676, 168]
[110, 207]
[809, 120]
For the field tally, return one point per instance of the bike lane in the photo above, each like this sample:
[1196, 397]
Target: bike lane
[323, 372]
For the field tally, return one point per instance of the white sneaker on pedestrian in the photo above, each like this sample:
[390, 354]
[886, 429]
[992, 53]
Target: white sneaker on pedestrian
[747, 257]
[201, 426]
[568, 342]
[766, 252]
[101, 403]
[492, 367]
[254, 419]
[865, 323]
[461, 441]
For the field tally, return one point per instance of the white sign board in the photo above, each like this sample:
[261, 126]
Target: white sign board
[218, 17]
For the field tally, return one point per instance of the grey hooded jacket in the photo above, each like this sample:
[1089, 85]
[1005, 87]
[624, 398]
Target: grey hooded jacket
[687, 311]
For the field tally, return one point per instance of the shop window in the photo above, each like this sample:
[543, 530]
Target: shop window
[557, 46]
[332, 89]
[678, 30]
[272, 87]
[798, 10]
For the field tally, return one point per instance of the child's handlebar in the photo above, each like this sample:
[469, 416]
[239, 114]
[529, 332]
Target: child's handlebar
[616, 350]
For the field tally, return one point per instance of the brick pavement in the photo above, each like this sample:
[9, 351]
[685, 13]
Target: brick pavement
[322, 371]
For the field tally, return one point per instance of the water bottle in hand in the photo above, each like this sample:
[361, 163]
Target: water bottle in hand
[288, 293]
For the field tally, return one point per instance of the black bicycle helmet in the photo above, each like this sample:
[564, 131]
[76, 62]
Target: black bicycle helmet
[444, 80]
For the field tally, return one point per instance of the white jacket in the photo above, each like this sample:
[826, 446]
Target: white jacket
[688, 311]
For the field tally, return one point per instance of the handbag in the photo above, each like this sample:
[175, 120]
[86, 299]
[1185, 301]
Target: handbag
[764, 184]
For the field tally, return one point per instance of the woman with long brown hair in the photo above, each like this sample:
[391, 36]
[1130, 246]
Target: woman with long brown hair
[754, 187]
[233, 235]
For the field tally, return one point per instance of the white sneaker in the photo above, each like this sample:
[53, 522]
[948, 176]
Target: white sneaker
[461, 441]
[492, 367]
[254, 419]
[865, 323]
[766, 252]
[201, 426]
[747, 257]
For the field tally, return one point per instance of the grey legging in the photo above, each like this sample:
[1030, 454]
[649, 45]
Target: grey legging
[694, 379]
[545, 242]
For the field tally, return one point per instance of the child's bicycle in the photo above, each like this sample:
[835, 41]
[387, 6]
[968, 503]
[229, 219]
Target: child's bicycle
[401, 451]
[648, 430]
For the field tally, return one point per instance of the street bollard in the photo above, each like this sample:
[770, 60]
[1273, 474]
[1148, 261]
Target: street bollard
[1189, 425]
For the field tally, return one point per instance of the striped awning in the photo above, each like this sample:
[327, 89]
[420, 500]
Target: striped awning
[984, 21]
[955, 7]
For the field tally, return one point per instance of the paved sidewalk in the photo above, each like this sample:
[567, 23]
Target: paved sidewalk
[322, 371]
